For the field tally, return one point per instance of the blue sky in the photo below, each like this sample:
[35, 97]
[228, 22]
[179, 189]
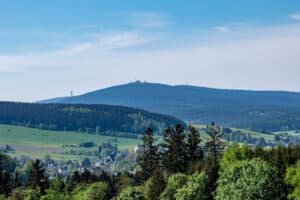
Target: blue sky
[51, 47]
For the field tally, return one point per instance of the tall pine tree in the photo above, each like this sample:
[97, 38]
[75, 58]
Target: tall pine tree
[7, 166]
[17, 182]
[174, 155]
[194, 150]
[74, 181]
[214, 147]
[149, 158]
[37, 177]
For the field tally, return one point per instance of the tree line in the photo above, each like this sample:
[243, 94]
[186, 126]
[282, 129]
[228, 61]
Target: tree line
[92, 119]
[183, 166]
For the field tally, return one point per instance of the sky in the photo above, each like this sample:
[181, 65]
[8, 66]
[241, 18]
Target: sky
[50, 47]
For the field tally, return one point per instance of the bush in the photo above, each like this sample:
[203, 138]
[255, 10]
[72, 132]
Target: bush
[235, 153]
[293, 179]
[95, 191]
[132, 193]
[175, 182]
[196, 188]
[154, 186]
[25, 194]
[254, 179]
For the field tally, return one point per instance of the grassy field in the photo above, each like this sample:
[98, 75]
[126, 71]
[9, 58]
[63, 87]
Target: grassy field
[291, 132]
[253, 134]
[38, 143]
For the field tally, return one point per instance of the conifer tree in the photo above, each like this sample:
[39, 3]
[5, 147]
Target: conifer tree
[5, 182]
[174, 155]
[7, 166]
[194, 150]
[214, 148]
[37, 177]
[149, 158]
[74, 180]
[17, 182]
[86, 176]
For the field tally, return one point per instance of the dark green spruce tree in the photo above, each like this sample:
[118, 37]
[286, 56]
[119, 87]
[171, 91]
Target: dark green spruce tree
[17, 182]
[149, 158]
[5, 182]
[194, 150]
[214, 147]
[155, 185]
[37, 177]
[7, 166]
[174, 157]
[74, 181]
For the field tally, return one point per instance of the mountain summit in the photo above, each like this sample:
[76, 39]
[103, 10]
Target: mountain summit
[241, 108]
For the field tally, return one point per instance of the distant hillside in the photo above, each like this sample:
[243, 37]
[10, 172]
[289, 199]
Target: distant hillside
[260, 110]
[83, 118]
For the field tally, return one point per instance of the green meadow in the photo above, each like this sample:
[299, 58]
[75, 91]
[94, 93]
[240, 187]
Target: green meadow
[268, 137]
[39, 143]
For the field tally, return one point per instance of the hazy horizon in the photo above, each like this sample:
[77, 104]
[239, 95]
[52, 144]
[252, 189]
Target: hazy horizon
[48, 49]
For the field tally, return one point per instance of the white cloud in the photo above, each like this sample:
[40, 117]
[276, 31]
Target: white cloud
[268, 58]
[295, 16]
[222, 29]
[107, 42]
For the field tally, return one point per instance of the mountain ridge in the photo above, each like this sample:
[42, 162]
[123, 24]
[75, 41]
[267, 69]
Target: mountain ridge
[174, 86]
[241, 108]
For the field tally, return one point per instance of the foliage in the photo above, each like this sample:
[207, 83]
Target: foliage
[7, 166]
[25, 194]
[174, 155]
[37, 177]
[235, 153]
[154, 186]
[132, 193]
[195, 189]
[87, 118]
[239, 172]
[194, 150]
[175, 182]
[293, 179]
[94, 191]
[214, 147]
[254, 179]
[148, 160]
[122, 181]
[57, 191]
[98, 191]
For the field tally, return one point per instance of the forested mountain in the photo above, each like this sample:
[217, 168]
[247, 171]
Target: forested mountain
[259, 110]
[87, 118]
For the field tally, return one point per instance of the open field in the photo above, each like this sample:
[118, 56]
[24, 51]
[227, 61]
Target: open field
[254, 134]
[38, 143]
[291, 132]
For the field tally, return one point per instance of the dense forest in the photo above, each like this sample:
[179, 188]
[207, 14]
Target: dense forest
[181, 167]
[257, 110]
[83, 118]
